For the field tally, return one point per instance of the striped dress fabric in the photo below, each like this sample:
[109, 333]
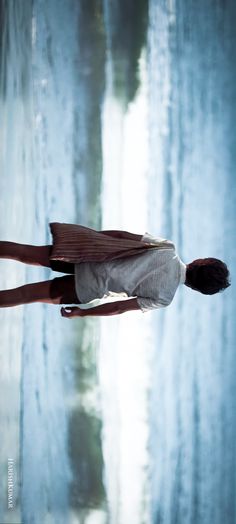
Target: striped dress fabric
[152, 277]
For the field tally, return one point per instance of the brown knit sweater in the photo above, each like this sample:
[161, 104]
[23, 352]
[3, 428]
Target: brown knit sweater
[75, 243]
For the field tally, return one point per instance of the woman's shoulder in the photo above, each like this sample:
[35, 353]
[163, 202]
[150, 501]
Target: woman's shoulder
[148, 237]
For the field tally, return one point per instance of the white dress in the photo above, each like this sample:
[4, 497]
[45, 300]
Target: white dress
[153, 277]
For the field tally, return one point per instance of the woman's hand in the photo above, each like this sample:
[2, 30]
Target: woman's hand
[70, 312]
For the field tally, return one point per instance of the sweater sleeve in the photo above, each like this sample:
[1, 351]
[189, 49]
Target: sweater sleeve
[147, 237]
[146, 304]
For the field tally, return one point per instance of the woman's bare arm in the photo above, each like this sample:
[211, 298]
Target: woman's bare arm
[111, 308]
[122, 234]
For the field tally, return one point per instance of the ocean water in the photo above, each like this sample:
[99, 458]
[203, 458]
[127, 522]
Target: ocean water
[192, 159]
[128, 419]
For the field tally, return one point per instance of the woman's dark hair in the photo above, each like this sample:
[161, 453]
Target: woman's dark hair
[208, 275]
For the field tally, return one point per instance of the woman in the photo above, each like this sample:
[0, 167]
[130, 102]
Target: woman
[143, 270]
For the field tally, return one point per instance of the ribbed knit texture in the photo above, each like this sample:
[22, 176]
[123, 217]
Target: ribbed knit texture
[76, 243]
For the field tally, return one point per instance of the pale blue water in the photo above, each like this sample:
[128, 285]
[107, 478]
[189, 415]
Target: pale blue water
[51, 169]
[192, 405]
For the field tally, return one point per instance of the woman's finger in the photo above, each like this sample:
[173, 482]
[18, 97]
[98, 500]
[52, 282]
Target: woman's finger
[71, 312]
[66, 312]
